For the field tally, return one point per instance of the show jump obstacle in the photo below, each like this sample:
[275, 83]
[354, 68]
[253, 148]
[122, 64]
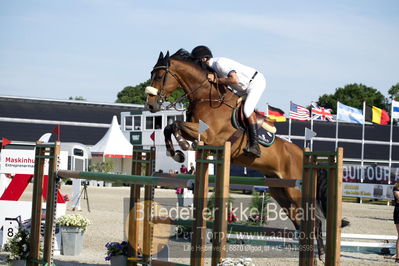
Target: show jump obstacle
[142, 174]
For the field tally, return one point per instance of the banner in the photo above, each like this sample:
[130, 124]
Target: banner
[374, 173]
[23, 161]
[364, 190]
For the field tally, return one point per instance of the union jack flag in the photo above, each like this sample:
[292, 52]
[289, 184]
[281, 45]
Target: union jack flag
[298, 112]
[321, 113]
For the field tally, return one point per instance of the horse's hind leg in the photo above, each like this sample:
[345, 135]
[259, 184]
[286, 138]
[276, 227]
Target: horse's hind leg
[286, 203]
[319, 239]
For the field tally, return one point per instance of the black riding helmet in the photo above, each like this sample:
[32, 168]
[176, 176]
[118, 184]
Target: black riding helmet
[201, 52]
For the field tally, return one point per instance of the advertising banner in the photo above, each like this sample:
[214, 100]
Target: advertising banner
[367, 190]
[23, 161]
[376, 174]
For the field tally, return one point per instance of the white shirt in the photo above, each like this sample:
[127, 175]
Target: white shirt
[224, 66]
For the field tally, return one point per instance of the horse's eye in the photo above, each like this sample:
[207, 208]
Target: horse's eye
[158, 77]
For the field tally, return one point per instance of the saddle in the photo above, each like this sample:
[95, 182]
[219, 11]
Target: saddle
[239, 120]
[266, 128]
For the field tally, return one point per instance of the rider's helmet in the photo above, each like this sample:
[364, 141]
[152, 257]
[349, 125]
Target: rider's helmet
[201, 52]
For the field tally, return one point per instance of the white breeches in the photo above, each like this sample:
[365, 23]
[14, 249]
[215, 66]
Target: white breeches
[254, 92]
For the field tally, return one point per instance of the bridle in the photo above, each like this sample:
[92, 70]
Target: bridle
[149, 90]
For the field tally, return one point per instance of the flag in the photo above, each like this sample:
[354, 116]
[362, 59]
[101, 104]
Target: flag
[298, 112]
[152, 136]
[395, 109]
[351, 114]
[276, 114]
[57, 131]
[376, 115]
[5, 142]
[321, 113]
[202, 126]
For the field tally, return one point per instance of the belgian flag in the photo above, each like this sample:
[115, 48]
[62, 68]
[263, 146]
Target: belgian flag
[376, 115]
[275, 113]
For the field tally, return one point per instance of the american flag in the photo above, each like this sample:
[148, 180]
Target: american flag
[321, 113]
[298, 112]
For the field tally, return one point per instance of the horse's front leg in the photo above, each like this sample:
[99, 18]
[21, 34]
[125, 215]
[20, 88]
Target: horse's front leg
[178, 129]
[167, 132]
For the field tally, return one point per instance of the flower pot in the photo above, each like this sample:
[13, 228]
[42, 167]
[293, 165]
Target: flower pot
[71, 240]
[18, 263]
[119, 260]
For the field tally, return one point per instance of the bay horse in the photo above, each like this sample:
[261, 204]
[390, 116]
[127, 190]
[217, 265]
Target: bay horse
[214, 104]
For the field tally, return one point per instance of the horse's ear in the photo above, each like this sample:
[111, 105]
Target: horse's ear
[160, 56]
[166, 59]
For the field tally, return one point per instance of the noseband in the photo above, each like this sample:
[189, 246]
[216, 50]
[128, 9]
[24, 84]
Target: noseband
[152, 91]
[149, 90]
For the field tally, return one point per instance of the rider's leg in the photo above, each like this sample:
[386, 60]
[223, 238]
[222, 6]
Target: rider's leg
[254, 92]
[253, 145]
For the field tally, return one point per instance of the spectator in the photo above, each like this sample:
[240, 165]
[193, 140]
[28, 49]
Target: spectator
[183, 169]
[396, 216]
[192, 169]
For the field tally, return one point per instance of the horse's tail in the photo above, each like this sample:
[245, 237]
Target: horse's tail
[321, 198]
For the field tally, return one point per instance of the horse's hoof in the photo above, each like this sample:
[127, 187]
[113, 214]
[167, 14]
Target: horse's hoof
[344, 223]
[184, 145]
[194, 145]
[179, 157]
[322, 258]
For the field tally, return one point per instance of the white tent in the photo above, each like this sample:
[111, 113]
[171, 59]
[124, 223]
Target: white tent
[114, 146]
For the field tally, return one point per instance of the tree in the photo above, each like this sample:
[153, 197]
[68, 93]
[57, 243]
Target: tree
[77, 98]
[394, 92]
[137, 95]
[354, 95]
[134, 94]
[102, 167]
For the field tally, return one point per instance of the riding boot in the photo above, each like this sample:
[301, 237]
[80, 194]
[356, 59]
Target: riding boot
[253, 146]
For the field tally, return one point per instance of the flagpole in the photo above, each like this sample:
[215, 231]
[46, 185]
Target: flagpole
[362, 153]
[311, 126]
[289, 125]
[336, 129]
[390, 145]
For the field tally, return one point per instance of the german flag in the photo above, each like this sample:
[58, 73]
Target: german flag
[277, 114]
[376, 115]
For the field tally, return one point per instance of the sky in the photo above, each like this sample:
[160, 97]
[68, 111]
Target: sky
[94, 48]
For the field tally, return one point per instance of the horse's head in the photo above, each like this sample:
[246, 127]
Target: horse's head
[163, 83]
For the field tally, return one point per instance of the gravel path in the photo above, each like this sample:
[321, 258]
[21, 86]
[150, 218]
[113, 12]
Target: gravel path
[108, 222]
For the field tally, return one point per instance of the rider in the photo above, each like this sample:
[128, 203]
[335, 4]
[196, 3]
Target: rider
[241, 78]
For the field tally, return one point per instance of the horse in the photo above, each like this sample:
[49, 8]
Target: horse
[214, 104]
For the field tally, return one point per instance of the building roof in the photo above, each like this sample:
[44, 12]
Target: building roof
[26, 119]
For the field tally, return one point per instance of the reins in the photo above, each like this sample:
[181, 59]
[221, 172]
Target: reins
[162, 94]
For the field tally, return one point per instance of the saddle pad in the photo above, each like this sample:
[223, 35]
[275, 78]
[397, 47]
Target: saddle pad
[265, 138]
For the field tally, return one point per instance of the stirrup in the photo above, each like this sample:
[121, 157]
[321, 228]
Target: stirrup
[248, 150]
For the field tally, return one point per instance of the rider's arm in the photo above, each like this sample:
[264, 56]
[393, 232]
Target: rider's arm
[231, 79]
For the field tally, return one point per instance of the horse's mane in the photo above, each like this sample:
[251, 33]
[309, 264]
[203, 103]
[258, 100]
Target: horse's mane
[184, 55]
